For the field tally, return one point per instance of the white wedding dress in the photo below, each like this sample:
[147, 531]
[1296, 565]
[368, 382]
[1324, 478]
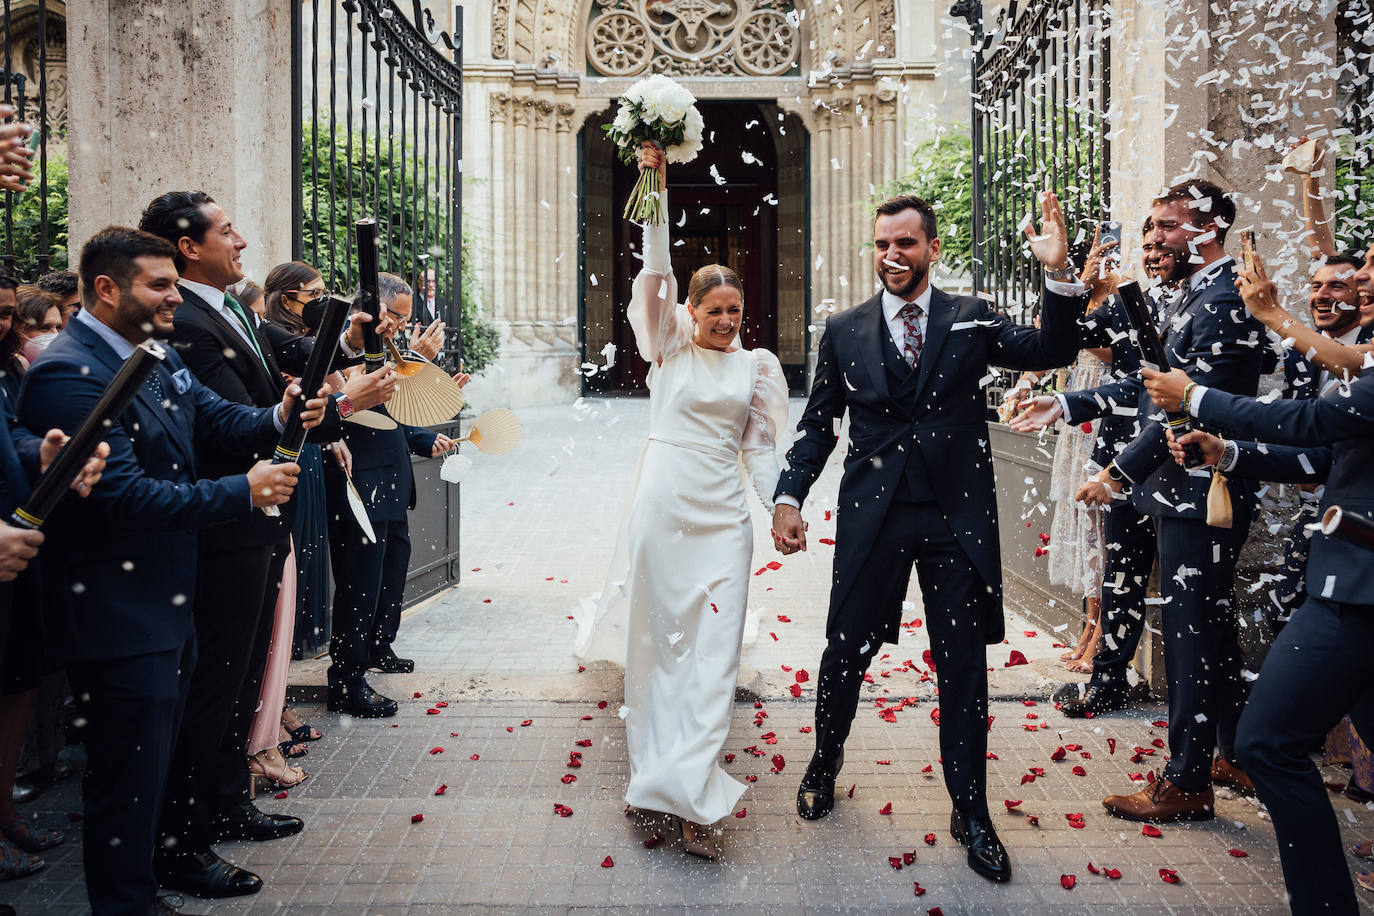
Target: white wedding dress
[673, 608]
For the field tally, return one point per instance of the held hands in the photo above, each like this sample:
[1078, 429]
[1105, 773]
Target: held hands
[1051, 246]
[442, 444]
[368, 389]
[1211, 445]
[1166, 388]
[1036, 414]
[789, 531]
[430, 342]
[17, 547]
[272, 484]
[90, 472]
[314, 410]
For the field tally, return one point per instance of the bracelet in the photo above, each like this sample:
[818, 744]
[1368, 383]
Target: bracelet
[1065, 274]
[1187, 398]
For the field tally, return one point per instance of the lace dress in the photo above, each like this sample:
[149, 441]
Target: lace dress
[1077, 552]
[673, 608]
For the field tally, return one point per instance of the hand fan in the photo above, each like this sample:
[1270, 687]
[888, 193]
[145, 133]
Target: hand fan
[355, 502]
[494, 432]
[371, 419]
[1301, 158]
[426, 395]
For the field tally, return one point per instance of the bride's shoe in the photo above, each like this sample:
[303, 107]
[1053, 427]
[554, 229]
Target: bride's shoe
[697, 841]
[271, 766]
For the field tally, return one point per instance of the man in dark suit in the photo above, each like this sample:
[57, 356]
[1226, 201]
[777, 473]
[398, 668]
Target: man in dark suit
[370, 577]
[1129, 535]
[909, 367]
[1210, 333]
[1317, 670]
[122, 564]
[241, 359]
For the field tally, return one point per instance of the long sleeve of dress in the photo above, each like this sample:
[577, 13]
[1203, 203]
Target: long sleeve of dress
[767, 422]
[661, 326]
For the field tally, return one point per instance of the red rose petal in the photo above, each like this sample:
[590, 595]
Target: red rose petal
[1237, 853]
[778, 763]
[1059, 754]
[742, 812]
[602, 705]
[608, 862]
[418, 694]
[783, 618]
[1160, 723]
[1079, 771]
[1032, 820]
[280, 795]
[729, 758]
[442, 704]
[895, 862]
[441, 790]
[583, 742]
[794, 689]
[802, 676]
[886, 809]
[1168, 876]
[653, 841]
[569, 779]
[1111, 745]
[908, 858]
[1067, 882]
[1017, 658]
[851, 790]
[930, 839]
[527, 723]
[1151, 830]
[562, 810]
[1112, 873]
[416, 818]
[921, 891]
[1092, 869]
[431, 712]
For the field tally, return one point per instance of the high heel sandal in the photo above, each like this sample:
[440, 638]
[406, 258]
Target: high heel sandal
[15, 863]
[301, 731]
[278, 775]
[22, 834]
[697, 841]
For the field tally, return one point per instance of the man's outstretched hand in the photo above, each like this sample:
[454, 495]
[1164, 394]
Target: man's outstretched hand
[1036, 414]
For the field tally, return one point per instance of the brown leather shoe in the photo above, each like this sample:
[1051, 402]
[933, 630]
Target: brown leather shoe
[1162, 801]
[1232, 777]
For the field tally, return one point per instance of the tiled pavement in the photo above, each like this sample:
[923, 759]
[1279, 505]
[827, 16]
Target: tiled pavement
[493, 841]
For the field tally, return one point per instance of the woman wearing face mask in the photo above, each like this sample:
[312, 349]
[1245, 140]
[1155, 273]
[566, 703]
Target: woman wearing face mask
[673, 609]
[37, 320]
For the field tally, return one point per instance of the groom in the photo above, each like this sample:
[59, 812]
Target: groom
[909, 365]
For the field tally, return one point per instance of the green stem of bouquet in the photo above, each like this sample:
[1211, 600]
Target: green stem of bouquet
[646, 200]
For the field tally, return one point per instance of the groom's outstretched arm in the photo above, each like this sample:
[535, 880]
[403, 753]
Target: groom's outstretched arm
[807, 456]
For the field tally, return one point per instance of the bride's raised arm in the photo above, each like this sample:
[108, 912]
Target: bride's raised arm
[661, 325]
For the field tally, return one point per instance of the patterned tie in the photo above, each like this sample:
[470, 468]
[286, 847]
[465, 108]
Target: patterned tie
[911, 333]
[155, 388]
[233, 306]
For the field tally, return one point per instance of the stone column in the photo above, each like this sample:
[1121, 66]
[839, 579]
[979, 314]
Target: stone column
[161, 101]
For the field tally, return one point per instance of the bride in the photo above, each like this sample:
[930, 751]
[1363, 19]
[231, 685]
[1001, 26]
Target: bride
[673, 608]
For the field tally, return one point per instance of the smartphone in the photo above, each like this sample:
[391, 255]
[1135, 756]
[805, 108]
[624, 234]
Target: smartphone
[1247, 248]
[1110, 231]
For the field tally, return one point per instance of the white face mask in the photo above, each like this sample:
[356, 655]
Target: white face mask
[37, 345]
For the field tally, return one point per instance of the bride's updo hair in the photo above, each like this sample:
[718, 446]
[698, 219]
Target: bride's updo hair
[708, 278]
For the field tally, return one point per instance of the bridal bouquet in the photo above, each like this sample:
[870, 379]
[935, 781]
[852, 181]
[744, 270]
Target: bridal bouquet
[660, 111]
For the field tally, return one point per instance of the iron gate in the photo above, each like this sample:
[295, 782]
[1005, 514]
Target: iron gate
[1041, 87]
[378, 132]
[378, 113]
[33, 72]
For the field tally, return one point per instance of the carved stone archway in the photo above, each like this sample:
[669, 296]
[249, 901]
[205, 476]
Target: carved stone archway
[553, 65]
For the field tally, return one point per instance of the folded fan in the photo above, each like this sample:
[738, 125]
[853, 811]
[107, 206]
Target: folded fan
[494, 432]
[425, 394]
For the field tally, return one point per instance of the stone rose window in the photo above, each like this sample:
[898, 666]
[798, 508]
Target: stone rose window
[693, 38]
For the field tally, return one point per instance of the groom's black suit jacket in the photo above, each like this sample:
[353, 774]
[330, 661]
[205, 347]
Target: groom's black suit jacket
[923, 439]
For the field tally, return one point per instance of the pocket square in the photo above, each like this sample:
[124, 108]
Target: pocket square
[182, 379]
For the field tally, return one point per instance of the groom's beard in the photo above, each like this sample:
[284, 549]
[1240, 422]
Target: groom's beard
[914, 277]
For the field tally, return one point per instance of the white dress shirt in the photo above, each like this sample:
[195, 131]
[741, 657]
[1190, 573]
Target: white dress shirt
[215, 298]
[896, 327]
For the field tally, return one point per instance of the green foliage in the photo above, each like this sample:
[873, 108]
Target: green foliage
[405, 211]
[1353, 213]
[941, 173]
[27, 224]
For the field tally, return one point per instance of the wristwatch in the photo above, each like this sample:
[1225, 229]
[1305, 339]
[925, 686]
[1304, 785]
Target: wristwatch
[345, 405]
[1114, 473]
[1229, 453]
[1065, 274]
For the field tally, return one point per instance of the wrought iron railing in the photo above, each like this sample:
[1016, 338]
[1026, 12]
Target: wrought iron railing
[34, 238]
[1041, 90]
[379, 114]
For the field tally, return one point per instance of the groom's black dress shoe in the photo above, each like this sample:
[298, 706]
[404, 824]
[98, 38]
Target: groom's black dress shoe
[205, 875]
[360, 700]
[816, 796]
[986, 856]
[1098, 700]
[246, 822]
[387, 662]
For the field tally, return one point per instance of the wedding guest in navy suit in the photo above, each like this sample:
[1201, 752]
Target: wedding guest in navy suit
[1209, 332]
[370, 578]
[908, 366]
[1317, 670]
[122, 564]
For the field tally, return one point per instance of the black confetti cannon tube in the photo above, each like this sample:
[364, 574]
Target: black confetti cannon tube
[1151, 350]
[369, 296]
[121, 391]
[1349, 526]
[316, 368]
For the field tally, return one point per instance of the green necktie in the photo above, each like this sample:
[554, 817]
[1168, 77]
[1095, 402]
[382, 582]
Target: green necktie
[232, 305]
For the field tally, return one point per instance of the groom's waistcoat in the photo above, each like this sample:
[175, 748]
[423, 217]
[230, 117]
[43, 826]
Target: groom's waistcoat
[915, 484]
